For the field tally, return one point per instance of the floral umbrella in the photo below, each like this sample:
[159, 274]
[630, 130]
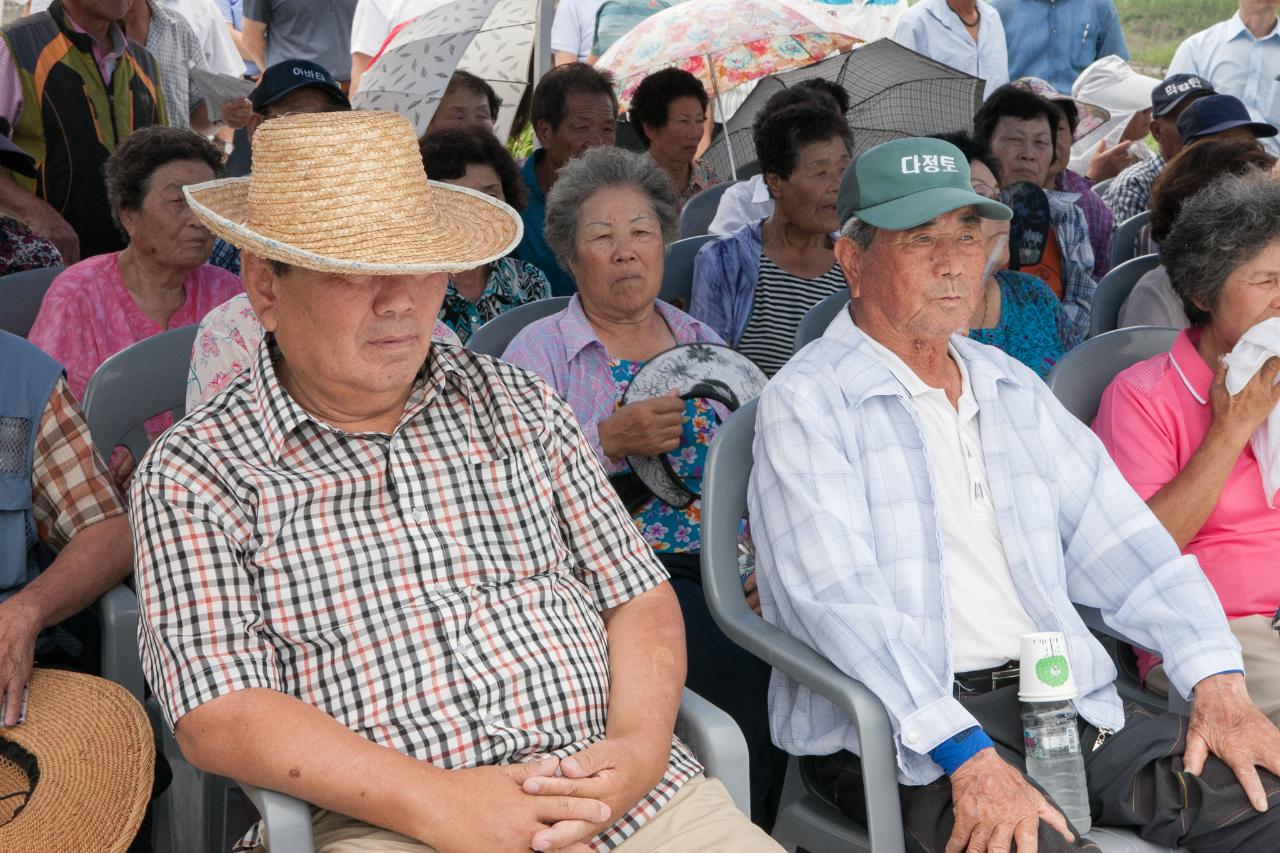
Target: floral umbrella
[724, 43]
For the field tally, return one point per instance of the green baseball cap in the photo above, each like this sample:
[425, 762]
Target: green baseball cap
[905, 183]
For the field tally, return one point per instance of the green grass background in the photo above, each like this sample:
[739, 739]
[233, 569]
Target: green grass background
[1155, 28]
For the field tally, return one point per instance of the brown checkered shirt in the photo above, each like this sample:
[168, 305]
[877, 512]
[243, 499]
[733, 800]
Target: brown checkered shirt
[437, 590]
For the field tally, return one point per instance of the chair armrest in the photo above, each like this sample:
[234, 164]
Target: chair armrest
[287, 820]
[875, 731]
[1092, 617]
[718, 742]
[118, 612]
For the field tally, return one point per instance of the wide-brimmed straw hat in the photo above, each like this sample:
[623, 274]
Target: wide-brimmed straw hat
[77, 774]
[346, 193]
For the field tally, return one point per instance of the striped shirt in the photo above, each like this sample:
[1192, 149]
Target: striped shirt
[781, 301]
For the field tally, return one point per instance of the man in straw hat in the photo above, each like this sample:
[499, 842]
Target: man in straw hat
[920, 502]
[390, 578]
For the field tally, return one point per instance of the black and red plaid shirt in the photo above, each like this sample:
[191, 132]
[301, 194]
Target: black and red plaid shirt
[438, 590]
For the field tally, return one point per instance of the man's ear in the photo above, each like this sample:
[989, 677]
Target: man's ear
[255, 121]
[262, 286]
[850, 255]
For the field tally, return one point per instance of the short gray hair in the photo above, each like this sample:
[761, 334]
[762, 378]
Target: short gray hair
[1219, 229]
[595, 170]
[859, 232]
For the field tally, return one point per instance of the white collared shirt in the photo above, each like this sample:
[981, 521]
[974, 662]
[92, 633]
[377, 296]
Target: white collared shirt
[1237, 63]
[742, 204]
[932, 28]
[987, 619]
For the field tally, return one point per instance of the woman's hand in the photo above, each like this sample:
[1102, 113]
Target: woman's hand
[1236, 418]
[647, 428]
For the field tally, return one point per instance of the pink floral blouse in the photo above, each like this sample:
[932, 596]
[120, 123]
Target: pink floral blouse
[87, 316]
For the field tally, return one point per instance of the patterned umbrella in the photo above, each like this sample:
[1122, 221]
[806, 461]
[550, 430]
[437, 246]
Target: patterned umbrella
[492, 39]
[725, 43]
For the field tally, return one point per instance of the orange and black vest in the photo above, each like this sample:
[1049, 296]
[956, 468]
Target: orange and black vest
[71, 120]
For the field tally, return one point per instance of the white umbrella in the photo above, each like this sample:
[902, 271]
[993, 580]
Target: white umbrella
[492, 39]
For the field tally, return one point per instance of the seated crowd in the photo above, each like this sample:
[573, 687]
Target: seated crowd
[428, 591]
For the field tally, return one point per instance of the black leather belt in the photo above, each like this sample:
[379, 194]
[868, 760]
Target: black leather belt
[979, 681]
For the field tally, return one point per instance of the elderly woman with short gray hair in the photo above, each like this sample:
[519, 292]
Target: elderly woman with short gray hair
[1183, 442]
[609, 218]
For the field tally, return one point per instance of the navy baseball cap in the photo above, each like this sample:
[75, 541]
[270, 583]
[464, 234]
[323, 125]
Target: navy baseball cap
[289, 76]
[1216, 113]
[1175, 89]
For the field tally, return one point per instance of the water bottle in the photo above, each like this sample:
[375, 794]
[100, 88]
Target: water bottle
[1054, 758]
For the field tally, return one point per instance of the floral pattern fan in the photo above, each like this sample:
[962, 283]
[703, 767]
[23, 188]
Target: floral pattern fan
[710, 371]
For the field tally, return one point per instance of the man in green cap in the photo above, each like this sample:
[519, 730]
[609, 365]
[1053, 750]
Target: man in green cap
[921, 501]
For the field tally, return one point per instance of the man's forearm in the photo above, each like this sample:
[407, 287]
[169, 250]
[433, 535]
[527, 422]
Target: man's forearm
[96, 559]
[274, 741]
[254, 39]
[646, 666]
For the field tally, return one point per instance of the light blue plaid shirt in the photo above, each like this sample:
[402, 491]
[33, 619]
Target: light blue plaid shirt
[1078, 284]
[850, 558]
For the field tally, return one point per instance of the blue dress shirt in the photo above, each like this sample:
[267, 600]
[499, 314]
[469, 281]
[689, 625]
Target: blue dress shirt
[1057, 39]
[1237, 63]
[931, 28]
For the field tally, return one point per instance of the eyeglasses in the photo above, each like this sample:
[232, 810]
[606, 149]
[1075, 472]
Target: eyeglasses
[986, 190]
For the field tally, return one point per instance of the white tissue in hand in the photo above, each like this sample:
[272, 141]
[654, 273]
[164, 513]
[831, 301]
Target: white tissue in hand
[1245, 359]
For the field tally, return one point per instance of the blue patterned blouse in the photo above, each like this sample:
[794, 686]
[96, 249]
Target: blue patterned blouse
[1028, 327]
[511, 283]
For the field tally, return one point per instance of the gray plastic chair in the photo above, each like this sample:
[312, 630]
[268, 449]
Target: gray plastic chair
[494, 336]
[146, 379]
[710, 732]
[20, 296]
[805, 820]
[1101, 186]
[1114, 289]
[1124, 239]
[695, 218]
[1079, 379]
[817, 318]
[677, 272]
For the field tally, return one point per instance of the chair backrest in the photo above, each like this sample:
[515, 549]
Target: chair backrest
[1124, 240]
[1114, 289]
[1101, 186]
[20, 296]
[695, 218]
[817, 318]
[724, 504]
[493, 337]
[677, 272]
[1079, 379]
[136, 384]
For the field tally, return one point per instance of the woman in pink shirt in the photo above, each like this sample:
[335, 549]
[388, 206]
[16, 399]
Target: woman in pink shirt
[1183, 442]
[159, 281]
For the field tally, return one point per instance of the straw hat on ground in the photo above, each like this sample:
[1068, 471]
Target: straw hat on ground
[76, 776]
[346, 193]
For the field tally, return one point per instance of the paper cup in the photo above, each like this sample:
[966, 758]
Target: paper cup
[1045, 671]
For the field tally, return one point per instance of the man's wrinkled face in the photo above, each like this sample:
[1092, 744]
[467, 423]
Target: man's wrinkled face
[590, 120]
[921, 283]
[353, 334]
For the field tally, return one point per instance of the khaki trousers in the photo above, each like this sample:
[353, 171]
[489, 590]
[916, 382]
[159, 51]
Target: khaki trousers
[1260, 646]
[701, 817]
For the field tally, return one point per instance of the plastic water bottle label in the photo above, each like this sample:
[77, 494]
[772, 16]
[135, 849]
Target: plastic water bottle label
[1050, 741]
